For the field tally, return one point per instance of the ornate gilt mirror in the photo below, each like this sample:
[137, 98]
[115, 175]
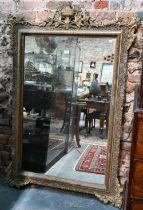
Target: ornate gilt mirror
[68, 91]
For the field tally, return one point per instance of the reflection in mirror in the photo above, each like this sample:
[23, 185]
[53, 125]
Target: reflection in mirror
[66, 106]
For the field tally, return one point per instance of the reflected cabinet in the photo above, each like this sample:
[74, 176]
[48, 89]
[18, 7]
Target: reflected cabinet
[49, 64]
[67, 113]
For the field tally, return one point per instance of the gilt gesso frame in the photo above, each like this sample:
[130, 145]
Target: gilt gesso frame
[71, 20]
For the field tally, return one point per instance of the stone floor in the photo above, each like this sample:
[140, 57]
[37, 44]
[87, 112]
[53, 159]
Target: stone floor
[42, 198]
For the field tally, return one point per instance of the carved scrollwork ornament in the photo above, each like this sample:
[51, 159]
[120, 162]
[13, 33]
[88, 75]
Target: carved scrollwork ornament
[12, 22]
[15, 181]
[72, 18]
[115, 198]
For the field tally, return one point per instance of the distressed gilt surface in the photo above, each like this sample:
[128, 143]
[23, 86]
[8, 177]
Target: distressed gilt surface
[73, 19]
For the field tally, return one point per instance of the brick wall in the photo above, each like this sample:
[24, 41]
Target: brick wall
[37, 10]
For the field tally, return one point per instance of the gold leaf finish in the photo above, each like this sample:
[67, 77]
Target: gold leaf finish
[114, 198]
[71, 20]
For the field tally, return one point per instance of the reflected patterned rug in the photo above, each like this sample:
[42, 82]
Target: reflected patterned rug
[93, 160]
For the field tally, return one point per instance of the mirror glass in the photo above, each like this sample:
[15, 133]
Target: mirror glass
[66, 106]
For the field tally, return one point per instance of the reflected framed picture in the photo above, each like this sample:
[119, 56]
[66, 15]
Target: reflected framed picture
[88, 75]
[106, 73]
[80, 67]
[92, 64]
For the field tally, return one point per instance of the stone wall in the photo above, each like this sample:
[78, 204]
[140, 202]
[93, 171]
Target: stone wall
[37, 10]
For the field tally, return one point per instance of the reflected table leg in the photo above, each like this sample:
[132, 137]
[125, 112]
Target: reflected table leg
[77, 120]
[102, 126]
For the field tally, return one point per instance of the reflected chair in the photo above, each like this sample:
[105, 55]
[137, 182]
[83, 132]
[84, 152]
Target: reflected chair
[97, 110]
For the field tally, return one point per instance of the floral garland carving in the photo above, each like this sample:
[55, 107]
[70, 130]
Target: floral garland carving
[16, 1]
[73, 17]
